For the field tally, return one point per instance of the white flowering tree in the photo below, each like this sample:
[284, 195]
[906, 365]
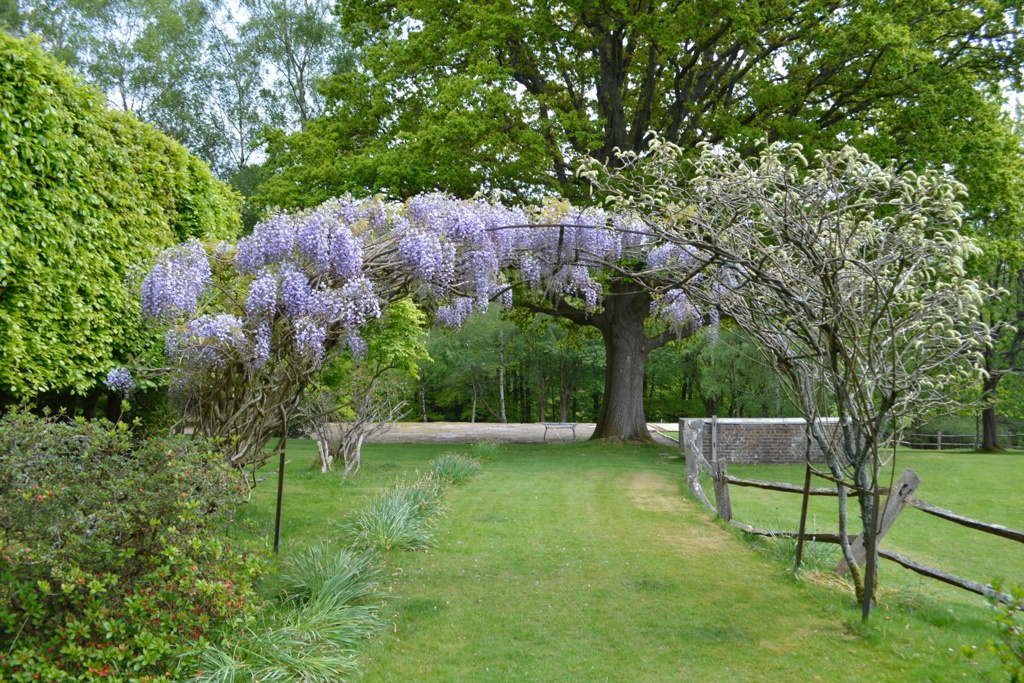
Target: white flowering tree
[850, 276]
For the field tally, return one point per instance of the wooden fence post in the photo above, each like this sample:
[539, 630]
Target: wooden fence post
[940, 442]
[722, 503]
[901, 491]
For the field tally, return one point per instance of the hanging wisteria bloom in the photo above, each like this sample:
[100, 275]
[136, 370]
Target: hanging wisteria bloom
[455, 314]
[176, 283]
[309, 340]
[260, 346]
[262, 299]
[675, 309]
[209, 342]
[429, 257]
[121, 381]
[671, 257]
[270, 242]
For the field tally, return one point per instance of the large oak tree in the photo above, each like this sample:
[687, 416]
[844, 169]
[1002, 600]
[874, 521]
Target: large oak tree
[506, 95]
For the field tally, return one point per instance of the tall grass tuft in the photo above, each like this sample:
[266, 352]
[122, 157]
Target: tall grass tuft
[284, 653]
[781, 549]
[485, 451]
[454, 469]
[343, 575]
[312, 636]
[400, 517]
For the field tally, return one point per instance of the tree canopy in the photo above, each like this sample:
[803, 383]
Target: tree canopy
[501, 94]
[88, 195]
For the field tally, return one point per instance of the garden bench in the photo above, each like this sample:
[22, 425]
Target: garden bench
[559, 425]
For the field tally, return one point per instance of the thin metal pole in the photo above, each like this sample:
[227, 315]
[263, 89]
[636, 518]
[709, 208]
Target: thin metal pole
[280, 496]
[803, 518]
[714, 438]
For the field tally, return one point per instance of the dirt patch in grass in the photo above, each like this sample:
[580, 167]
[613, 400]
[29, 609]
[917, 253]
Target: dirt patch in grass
[652, 492]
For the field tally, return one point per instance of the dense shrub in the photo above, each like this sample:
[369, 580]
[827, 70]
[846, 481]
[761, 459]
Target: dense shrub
[113, 560]
[88, 194]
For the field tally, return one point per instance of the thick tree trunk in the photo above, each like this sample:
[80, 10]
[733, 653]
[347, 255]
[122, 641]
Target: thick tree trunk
[622, 407]
[626, 347]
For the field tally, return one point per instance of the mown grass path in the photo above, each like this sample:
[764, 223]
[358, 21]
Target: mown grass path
[586, 563]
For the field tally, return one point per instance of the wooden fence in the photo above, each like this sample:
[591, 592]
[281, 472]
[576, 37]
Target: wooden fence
[946, 441]
[900, 496]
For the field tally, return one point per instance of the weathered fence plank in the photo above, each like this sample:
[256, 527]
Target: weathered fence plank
[904, 489]
[779, 486]
[902, 560]
[931, 572]
[995, 529]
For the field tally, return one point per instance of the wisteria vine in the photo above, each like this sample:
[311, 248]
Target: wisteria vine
[249, 325]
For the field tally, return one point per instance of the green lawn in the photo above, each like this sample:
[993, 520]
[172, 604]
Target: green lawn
[585, 562]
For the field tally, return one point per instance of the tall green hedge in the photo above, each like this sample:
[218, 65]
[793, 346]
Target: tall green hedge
[86, 195]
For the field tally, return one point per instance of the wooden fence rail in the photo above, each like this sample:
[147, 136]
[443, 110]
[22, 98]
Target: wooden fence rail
[944, 441]
[906, 485]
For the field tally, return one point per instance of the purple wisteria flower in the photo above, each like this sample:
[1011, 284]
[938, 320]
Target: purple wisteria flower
[429, 259]
[454, 315]
[270, 242]
[262, 300]
[121, 381]
[260, 347]
[313, 239]
[208, 342]
[346, 253]
[670, 257]
[675, 309]
[309, 339]
[295, 290]
[357, 346]
[174, 286]
[359, 303]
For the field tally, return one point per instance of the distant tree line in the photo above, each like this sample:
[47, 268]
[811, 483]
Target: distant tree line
[538, 368]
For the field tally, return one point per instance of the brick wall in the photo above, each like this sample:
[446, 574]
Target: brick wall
[749, 440]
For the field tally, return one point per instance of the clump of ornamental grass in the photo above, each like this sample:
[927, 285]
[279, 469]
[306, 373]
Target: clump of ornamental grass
[454, 469]
[780, 548]
[400, 517]
[330, 602]
[485, 451]
[344, 575]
